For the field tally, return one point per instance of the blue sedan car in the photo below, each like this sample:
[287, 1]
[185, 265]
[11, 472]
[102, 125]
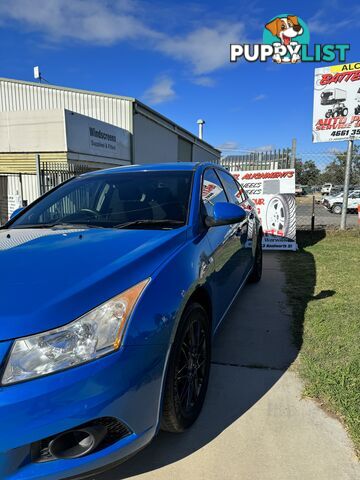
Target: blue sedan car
[112, 287]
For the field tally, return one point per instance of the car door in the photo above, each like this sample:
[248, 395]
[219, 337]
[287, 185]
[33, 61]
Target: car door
[247, 228]
[225, 245]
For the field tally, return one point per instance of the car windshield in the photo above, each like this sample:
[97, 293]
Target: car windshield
[152, 199]
[354, 194]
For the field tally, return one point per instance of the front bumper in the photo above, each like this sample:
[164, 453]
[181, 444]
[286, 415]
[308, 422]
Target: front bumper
[125, 385]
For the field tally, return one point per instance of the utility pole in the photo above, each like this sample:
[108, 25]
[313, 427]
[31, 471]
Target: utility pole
[293, 152]
[346, 184]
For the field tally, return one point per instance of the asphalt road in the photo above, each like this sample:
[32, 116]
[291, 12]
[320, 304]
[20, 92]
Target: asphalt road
[322, 217]
[255, 425]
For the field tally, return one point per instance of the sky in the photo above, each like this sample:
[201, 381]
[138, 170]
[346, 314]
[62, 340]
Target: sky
[174, 56]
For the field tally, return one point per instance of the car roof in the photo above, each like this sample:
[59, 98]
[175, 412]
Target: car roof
[152, 167]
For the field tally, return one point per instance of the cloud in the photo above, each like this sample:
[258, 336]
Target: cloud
[320, 24]
[264, 148]
[161, 91]
[204, 81]
[230, 145]
[259, 97]
[86, 20]
[204, 49]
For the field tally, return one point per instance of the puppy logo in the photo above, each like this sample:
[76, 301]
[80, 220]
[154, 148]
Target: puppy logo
[286, 39]
[287, 31]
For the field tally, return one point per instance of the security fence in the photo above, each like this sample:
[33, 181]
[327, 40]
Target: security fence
[272, 160]
[20, 189]
[320, 179]
[52, 173]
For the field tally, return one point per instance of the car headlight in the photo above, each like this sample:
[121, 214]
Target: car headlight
[91, 336]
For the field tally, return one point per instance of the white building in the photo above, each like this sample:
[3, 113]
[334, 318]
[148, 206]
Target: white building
[68, 125]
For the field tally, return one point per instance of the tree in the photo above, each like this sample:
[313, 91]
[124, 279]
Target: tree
[307, 172]
[334, 172]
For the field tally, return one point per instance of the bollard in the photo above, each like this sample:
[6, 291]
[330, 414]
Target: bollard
[313, 214]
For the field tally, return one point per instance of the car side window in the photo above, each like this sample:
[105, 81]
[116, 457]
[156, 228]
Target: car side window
[234, 193]
[212, 191]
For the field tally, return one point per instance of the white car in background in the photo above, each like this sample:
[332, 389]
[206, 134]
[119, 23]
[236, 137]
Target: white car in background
[326, 189]
[326, 198]
[335, 204]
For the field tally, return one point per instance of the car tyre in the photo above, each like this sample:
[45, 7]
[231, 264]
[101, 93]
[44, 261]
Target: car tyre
[280, 215]
[188, 370]
[345, 112]
[337, 209]
[256, 271]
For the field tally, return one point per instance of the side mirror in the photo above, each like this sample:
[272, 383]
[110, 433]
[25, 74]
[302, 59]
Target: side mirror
[15, 212]
[225, 214]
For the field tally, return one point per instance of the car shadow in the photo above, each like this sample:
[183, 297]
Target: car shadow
[304, 281]
[253, 348]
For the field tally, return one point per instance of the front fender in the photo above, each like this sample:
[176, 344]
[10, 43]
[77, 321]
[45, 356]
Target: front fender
[159, 310]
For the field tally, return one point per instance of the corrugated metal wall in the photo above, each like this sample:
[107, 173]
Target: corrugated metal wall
[25, 162]
[16, 96]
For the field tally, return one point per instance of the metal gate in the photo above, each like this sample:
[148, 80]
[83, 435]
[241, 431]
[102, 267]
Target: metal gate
[16, 190]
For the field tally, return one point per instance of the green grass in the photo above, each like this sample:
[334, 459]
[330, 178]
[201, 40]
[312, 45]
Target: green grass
[323, 287]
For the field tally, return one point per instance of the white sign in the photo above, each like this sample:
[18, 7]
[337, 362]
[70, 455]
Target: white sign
[14, 202]
[336, 114]
[273, 192]
[96, 138]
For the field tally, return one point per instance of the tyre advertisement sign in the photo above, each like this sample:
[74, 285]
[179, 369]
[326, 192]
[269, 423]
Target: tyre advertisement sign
[273, 192]
[336, 114]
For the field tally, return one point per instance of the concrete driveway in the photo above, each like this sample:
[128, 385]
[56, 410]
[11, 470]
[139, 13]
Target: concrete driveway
[255, 425]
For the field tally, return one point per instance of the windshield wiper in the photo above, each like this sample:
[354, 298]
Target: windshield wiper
[161, 223]
[149, 222]
[56, 224]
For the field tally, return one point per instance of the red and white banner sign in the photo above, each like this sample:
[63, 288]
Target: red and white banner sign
[273, 192]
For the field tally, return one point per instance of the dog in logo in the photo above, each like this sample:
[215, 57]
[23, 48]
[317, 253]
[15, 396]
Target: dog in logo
[286, 29]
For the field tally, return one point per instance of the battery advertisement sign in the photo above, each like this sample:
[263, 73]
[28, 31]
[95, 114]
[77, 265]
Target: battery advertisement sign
[336, 114]
[273, 192]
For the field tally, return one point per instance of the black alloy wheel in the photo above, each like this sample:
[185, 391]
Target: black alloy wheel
[188, 370]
